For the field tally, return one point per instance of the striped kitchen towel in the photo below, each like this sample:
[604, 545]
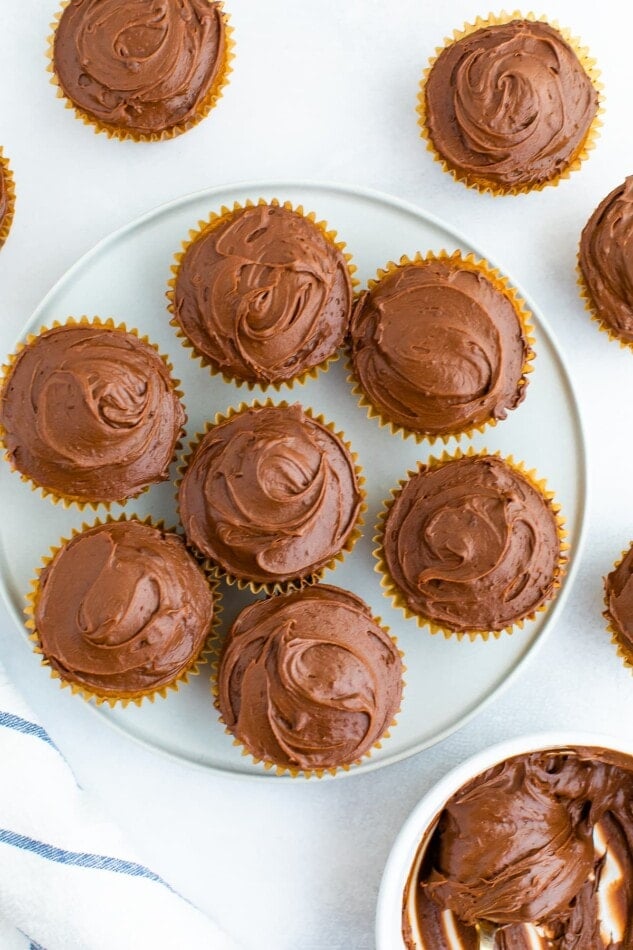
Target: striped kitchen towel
[68, 880]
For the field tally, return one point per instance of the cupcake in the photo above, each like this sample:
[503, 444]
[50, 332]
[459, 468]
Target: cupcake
[271, 496]
[618, 597]
[122, 611]
[510, 104]
[143, 71]
[439, 346]
[470, 545]
[309, 681]
[89, 413]
[263, 294]
[7, 197]
[605, 263]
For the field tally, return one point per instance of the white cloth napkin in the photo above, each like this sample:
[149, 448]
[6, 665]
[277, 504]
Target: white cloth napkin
[68, 880]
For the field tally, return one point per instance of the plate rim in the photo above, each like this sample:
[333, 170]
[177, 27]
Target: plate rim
[416, 211]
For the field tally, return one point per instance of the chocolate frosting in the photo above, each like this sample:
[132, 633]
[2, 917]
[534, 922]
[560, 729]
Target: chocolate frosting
[437, 348]
[4, 196]
[90, 413]
[618, 586]
[142, 65]
[472, 544]
[509, 105]
[606, 259]
[263, 295]
[541, 845]
[309, 680]
[270, 494]
[123, 608]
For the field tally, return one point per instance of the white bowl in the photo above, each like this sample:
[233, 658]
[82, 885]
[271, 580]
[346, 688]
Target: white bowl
[421, 820]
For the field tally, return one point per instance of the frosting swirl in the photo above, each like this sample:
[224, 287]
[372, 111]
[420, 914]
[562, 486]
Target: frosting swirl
[509, 104]
[618, 586]
[142, 65]
[90, 413]
[122, 607]
[472, 544]
[309, 679]
[606, 259]
[437, 348]
[263, 295]
[542, 846]
[4, 196]
[270, 494]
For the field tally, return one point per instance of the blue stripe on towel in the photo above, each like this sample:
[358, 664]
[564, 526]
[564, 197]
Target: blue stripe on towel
[80, 859]
[24, 725]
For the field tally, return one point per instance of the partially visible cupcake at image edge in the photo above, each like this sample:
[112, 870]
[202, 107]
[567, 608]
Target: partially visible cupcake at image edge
[440, 345]
[262, 293]
[271, 496]
[309, 682]
[618, 599]
[89, 412]
[605, 264]
[121, 612]
[510, 104]
[7, 197]
[471, 544]
[141, 71]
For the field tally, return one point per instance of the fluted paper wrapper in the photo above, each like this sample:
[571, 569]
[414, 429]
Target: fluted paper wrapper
[9, 186]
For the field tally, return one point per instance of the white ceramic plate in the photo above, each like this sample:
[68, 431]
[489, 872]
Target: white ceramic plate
[447, 682]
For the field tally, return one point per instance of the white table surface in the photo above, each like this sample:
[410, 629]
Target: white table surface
[324, 91]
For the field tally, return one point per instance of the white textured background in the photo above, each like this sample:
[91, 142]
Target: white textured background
[324, 91]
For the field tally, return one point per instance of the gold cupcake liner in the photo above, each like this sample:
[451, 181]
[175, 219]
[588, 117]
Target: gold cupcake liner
[206, 105]
[9, 185]
[6, 370]
[594, 313]
[392, 591]
[626, 655]
[276, 587]
[587, 62]
[500, 283]
[217, 218]
[269, 766]
[137, 698]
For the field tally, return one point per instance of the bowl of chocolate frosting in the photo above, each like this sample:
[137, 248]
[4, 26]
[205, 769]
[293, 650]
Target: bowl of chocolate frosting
[528, 845]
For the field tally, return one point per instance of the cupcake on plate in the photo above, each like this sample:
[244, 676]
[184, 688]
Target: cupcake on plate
[271, 495]
[121, 612]
[439, 346]
[263, 293]
[470, 545]
[144, 71]
[510, 104]
[309, 681]
[7, 197]
[618, 598]
[89, 413]
[605, 262]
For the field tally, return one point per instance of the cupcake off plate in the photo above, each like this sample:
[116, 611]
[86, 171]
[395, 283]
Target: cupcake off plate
[447, 681]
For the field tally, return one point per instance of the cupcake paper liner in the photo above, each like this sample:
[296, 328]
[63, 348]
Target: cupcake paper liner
[390, 589]
[276, 587]
[626, 655]
[7, 175]
[587, 62]
[268, 766]
[194, 667]
[500, 283]
[206, 105]
[5, 374]
[216, 219]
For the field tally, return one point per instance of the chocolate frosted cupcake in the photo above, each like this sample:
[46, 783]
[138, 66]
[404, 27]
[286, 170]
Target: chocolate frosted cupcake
[618, 596]
[262, 293]
[510, 104]
[440, 346]
[7, 197]
[606, 263]
[309, 681]
[271, 496]
[142, 70]
[121, 612]
[470, 545]
[89, 413]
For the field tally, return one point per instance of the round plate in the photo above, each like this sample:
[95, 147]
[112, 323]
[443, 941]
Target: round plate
[447, 681]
